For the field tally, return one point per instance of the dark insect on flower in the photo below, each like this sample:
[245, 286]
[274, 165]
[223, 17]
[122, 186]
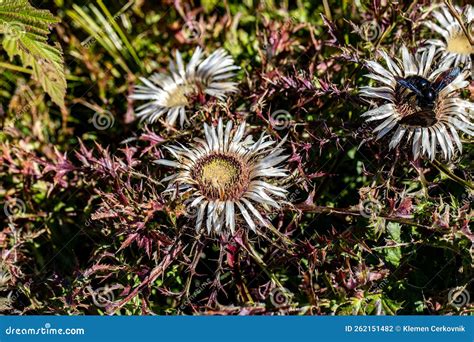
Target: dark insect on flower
[427, 92]
[420, 103]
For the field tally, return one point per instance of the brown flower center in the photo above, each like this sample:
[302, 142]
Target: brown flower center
[221, 176]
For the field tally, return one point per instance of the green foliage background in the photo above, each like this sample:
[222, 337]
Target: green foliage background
[304, 57]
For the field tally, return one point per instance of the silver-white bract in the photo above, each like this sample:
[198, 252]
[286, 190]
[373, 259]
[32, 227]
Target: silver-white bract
[171, 94]
[225, 173]
[449, 114]
[455, 47]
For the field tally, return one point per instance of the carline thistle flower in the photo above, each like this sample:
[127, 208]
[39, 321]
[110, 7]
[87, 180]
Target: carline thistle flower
[427, 126]
[226, 172]
[455, 48]
[171, 94]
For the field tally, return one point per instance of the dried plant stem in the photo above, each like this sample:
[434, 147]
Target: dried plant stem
[384, 35]
[141, 175]
[397, 245]
[13, 67]
[459, 19]
[442, 168]
[353, 212]
[327, 9]
[424, 183]
[192, 267]
[249, 248]
[154, 274]
[285, 248]
[391, 27]
[283, 237]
